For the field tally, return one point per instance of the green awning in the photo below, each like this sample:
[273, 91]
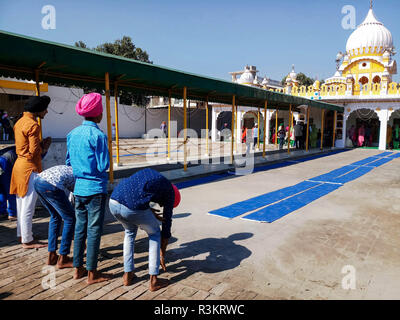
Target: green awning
[66, 65]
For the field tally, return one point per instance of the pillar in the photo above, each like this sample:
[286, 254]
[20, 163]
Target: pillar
[267, 133]
[383, 118]
[214, 118]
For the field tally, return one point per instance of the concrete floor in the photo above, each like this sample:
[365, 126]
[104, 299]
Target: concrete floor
[300, 256]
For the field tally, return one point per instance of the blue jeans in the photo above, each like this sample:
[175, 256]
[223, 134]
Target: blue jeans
[56, 202]
[131, 220]
[5, 195]
[89, 212]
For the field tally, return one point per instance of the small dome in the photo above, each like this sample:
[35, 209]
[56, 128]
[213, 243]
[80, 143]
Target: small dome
[264, 82]
[246, 77]
[371, 33]
[386, 73]
[293, 74]
[386, 54]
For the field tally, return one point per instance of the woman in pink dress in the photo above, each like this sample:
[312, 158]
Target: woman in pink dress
[361, 134]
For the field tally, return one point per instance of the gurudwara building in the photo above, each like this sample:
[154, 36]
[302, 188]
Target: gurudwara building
[363, 84]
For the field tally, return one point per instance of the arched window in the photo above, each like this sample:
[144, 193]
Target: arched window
[376, 79]
[363, 80]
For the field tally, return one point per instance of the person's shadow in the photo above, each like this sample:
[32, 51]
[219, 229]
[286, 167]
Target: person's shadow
[221, 254]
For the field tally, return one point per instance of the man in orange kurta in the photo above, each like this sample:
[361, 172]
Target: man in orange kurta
[29, 149]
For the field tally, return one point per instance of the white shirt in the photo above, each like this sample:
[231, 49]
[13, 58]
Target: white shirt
[59, 176]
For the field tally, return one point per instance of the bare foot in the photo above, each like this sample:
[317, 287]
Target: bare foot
[128, 278]
[52, 258]
[157, 284]
[79, 272]
[96, 276]
[64, 262]
[34, 244]
[11, 218]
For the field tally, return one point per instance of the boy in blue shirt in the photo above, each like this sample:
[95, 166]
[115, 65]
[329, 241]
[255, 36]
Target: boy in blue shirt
[87, 154]
[129, 203]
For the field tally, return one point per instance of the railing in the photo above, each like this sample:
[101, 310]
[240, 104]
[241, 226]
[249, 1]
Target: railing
[394, 88]
[327, 91]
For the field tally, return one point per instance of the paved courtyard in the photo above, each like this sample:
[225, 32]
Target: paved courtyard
[299, 256]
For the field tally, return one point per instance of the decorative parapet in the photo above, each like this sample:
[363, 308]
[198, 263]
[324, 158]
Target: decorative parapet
[328, 91]
[393, 88]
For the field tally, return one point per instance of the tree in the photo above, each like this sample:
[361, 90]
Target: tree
[302, 79]
[124, 48]
[80, 44]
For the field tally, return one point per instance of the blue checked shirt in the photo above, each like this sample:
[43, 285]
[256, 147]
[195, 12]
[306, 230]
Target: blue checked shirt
[87, 154]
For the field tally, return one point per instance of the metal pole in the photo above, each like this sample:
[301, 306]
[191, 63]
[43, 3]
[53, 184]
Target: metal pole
[116, 120]
[276, 127]
[258, 129]
[232, 129]
[169, 125]
[184, 129]
[265, 127]
[334, 129]
[107, 80]
[207, 133]
[308, 127]
[290, 128]
[322, 129]
[235, 126]
[38, 95]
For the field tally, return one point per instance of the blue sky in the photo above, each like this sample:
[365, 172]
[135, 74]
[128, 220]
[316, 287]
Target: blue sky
[208, 37]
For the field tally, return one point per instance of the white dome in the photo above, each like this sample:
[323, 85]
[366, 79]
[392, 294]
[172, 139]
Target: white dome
[293, 74]
[371, 33]
[264, 82]
[246, 77]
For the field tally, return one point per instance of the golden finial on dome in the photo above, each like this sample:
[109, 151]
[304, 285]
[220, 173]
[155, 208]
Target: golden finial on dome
[370, 4]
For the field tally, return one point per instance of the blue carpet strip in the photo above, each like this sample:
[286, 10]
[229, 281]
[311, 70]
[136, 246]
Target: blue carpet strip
[280, 209]
[242, 207]
[295, 197]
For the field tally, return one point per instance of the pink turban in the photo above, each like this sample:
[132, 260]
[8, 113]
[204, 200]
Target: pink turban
[89, 106]
[177, 196]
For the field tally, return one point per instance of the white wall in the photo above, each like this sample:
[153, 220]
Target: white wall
[62, 117]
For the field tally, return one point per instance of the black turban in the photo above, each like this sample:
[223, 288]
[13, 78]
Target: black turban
[37, 104]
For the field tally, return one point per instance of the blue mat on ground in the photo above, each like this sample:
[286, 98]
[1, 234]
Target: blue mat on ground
[384, 154]
[272, 166]
[242, 207]
[333, 174]
[395, 155]
[202, 180]
[365, 161]
[280, 209]
[355, 174]
[216, 177]
[380, 162]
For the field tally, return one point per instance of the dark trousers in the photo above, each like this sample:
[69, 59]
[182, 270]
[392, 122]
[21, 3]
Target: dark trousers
[255, 140]
[89, 212]
[5, 196]
[298, 142]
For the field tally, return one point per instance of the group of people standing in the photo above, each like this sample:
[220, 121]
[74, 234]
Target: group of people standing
[295, 138]
[360, 136]
[6, 126]
[76, 194]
